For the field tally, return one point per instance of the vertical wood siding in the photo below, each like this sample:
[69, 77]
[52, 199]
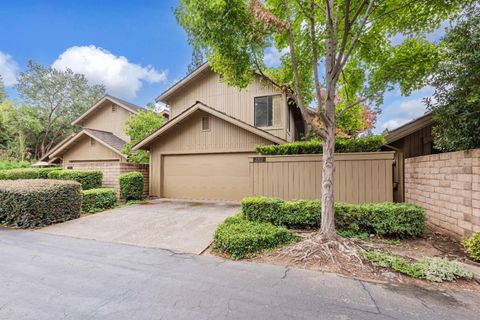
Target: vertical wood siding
[359, 177]
[106, 120]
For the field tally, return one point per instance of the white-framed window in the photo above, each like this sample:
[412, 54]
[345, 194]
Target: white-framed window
[268, 111]
[205, 123]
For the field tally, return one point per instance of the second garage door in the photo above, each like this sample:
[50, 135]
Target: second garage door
[206, 176]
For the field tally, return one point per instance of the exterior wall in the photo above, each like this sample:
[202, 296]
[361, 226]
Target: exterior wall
[419, 143]
[83, 150]
[210, 89]
[447, 185]
[112, 171]
[106, 120]
[359, 177]
[222, 137]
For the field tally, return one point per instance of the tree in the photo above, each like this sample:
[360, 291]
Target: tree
[3, 94]
[340, 47]
[138, 127]
[59, 97]
[197, 59]
[456, 103]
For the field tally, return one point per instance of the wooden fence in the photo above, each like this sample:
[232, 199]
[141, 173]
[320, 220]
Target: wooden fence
[359, 177]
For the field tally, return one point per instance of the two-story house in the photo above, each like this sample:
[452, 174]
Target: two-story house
[99, 144]
[202, 152]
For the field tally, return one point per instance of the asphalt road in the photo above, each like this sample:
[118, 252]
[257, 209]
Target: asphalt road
[46, 276]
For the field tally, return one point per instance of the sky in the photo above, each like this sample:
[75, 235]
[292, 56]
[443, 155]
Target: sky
[135, 48]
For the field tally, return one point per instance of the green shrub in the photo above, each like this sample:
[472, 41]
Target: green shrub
[17, 174]
[37, 203]
[431, 269]
[89, 179]
[131, 185]
[384, 219]
[240, 237]
[367, 144]
[7, 164]
[95, 200]
[472, 245]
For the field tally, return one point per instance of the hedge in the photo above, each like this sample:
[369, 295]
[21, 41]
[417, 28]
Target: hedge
[95, 200]
[367, 144]
[37, 203]
[472, 245]
[26, 173]
[131, 185]
[89, 179]
[384, 219]
[240, 237]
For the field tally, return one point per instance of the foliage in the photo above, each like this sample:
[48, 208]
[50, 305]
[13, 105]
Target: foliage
[197, 60]
[456, 101]
[241, 238]
[37, 203]
[472, 245]
[131, 185]
[89, 179]
[138, 127]
[7, 164]
[384, 219]
[99, 199]
[3, 94]
[58, 97]
[431, 269]
[26, 173]
[366, 144]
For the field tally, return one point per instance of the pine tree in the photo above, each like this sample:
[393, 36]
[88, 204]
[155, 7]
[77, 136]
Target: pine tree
[197, 59]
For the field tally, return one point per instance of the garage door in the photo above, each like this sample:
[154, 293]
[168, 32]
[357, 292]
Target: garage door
[206, 176]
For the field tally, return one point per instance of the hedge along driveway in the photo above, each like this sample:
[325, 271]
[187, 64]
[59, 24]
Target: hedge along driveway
[180, 226]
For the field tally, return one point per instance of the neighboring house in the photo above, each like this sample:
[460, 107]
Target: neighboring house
[202, 152]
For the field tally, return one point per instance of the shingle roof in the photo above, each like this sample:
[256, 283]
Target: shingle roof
[107, 137]
[128, 104]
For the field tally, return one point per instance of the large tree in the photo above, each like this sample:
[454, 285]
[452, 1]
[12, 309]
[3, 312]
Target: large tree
[338, 50]
[3, 94]
[59, 97]
[456, 101]
[197, 59]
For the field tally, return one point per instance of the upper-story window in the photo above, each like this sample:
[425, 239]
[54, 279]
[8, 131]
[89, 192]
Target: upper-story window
[268, 111]
[114, 108]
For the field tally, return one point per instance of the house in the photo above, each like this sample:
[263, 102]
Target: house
[202, 152]
[98, 146]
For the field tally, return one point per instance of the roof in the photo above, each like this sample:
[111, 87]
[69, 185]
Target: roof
[201, 106]
[107, 139]
[409, 128]
[45, 157]
[122, 103]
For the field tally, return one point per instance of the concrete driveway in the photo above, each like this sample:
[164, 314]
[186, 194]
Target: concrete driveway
[180, 226]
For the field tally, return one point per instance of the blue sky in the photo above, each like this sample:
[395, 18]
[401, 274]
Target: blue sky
[135, 48]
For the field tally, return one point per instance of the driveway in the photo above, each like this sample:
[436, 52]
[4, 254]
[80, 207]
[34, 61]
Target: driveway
[181, 226]
[47, 277]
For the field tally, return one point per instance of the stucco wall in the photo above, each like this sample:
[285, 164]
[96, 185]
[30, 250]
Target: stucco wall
[447, 185]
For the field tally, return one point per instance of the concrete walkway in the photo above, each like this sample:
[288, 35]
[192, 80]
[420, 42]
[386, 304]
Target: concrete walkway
[181, 226]
[54, 277]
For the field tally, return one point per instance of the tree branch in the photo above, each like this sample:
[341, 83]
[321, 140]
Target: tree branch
[351, 105]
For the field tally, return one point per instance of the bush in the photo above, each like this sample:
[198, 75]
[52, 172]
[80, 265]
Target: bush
[89, 179]
[26, 173]
[131, 185]
[95, 200]
[37, 203]
[384, 219]
[6, 164]
[240, 237]
[367, 144]
[472, 245]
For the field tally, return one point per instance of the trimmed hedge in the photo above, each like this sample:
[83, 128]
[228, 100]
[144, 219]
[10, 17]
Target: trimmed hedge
[367, 144]
[131, 185]
[472, 245]
[89, 179]
[384, 219]
[26, 173]
[240, 237]
[95, 200]
[37, 203]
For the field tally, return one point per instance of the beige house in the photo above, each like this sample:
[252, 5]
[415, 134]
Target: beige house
[202, 152]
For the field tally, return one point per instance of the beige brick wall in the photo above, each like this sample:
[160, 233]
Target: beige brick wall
[112, 170]
[447, 185]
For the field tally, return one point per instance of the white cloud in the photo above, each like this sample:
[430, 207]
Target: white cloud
[99, 66]
[8, 69]
[393, 124]
[272, 56]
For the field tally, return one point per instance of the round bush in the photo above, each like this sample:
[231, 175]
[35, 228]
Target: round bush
[37, 203]
[472, 245]
[95, 200]
[131, 185]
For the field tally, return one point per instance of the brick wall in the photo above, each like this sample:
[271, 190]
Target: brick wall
[447, 185]
[112, 170]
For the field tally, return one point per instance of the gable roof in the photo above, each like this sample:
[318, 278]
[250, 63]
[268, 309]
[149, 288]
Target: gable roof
[203, 107]
[61, 143]
[107, 139]
[409, 128]
[122, 103]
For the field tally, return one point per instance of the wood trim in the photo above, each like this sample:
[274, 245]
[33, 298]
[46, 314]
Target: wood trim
[95, 106]
[381, 155]
[409, 128]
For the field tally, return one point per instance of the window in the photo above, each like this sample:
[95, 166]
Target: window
[92, 142]
[205, 123]
[114, 108]
[268, 112]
